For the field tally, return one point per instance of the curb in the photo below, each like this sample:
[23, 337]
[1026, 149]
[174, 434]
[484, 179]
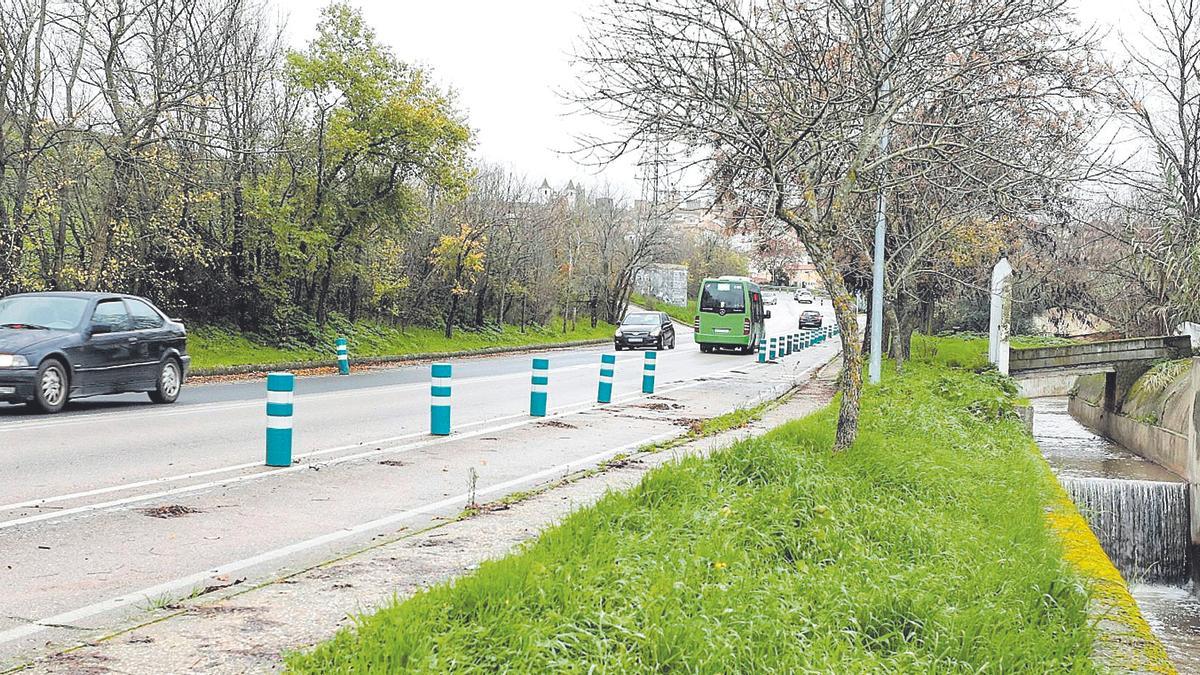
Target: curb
[381, 360]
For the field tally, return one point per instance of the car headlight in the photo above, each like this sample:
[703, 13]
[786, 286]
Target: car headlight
[618, 333]
[13, 361]
[655, 332]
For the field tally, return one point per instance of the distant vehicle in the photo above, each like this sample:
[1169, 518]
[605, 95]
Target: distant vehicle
[731, 315]
[771, 299]
[55, 347]
[804, 297]
[811, 318]
[645, 329]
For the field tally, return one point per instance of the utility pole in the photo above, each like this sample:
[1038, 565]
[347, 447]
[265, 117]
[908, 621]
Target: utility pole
[875, 369]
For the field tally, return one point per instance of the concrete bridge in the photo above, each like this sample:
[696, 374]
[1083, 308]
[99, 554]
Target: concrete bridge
[1095, 357]
[1052, 370]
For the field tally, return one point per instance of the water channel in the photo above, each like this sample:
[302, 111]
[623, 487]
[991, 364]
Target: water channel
[1138, 510]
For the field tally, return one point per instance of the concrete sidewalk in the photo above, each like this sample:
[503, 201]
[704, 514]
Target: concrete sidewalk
[237, 629]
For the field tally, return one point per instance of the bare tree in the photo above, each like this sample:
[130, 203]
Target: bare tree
[1155, 221]
[786, 104]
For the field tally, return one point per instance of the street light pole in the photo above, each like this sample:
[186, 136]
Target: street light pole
[875, 368]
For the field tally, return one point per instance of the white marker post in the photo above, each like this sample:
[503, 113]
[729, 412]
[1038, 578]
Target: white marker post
[1001, 315]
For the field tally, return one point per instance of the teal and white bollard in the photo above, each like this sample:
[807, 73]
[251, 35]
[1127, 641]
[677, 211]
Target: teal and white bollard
[762, 350]
[772, 352]
[439, 401]
[608, 364]
[540, 384]
[343, 354]
[280, 391]
[783, 346]
[648, 372]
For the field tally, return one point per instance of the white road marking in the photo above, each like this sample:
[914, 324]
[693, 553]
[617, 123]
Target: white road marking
[573, 409]
[102, 417]
[192, 580]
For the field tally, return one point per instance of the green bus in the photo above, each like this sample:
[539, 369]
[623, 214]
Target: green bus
[730, 315]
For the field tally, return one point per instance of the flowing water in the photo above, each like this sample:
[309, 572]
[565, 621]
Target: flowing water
[1139, 512]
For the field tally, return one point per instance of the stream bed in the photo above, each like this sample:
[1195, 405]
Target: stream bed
[1138, 510]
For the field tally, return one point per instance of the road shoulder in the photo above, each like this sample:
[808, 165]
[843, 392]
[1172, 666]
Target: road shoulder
[249, 630]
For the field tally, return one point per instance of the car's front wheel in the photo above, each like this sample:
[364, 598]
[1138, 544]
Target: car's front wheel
[51, 388]
[170, 381]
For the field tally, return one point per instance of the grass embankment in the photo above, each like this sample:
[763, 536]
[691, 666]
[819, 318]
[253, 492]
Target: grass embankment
[212, 347]
[682, 314]
[923, 549]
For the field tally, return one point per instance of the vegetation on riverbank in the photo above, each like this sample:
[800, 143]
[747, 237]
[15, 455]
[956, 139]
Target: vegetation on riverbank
[213, 347]
[924, 548]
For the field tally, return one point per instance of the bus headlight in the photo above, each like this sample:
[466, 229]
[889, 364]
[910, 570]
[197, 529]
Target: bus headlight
[13, 361]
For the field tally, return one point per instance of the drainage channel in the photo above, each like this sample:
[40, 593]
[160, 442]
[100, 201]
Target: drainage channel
[1139, 512]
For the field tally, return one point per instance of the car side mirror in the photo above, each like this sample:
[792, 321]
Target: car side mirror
[101, 328]
[767, 314]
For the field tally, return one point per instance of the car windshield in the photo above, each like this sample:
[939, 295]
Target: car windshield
[640, 320]
[811, 313]
[41, 311]
[718, 295]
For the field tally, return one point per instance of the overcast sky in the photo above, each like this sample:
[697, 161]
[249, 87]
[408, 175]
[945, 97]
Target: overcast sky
[506, 59]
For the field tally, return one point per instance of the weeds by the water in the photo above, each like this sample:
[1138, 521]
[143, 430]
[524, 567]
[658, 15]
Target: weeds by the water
[922, 549]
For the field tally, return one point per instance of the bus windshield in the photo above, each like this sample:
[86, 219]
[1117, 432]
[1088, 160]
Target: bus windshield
[726, 295]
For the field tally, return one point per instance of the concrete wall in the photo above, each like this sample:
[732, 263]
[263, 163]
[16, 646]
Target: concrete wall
[1052, 385]
[1164, 447]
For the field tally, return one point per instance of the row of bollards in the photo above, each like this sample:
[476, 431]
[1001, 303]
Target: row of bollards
[281, 387]
[777, 347]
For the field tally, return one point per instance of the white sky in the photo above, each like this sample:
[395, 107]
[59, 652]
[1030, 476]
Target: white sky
[506, 59]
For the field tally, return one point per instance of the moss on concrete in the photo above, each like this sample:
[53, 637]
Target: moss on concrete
[1125, 642]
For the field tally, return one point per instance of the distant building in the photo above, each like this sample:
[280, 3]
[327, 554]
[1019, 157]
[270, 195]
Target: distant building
[668, 283]
[545, 193]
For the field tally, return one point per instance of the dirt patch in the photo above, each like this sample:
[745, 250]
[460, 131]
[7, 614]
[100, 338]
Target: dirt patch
[169, 511]
[557, 424]
[692, 424]
[393, 462]
[660, 406]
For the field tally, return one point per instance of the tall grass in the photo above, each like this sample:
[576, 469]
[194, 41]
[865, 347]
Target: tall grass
[922, 549]
[214, 347]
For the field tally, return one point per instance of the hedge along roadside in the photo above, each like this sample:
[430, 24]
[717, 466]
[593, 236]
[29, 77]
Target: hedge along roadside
[398, 358]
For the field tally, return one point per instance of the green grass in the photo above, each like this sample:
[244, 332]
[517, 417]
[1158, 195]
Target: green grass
[922, 549]
[212, 347]
[683, 314]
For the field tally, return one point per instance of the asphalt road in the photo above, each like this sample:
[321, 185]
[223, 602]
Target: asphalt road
[83, 546]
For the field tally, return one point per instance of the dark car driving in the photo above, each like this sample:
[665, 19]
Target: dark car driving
[810, 318]
[645, 329]
[60, 346]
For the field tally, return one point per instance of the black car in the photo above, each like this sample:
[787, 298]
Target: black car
[60, 346]
[645, 329]
[810, 318]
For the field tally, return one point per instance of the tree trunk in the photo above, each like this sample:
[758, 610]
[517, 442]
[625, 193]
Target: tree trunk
[481, 304]
[449, 332]
[113, 214]
[852, 354]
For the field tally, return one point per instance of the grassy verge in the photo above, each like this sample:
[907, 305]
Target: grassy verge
[212, 347]
[922, 549]
[682, 314]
